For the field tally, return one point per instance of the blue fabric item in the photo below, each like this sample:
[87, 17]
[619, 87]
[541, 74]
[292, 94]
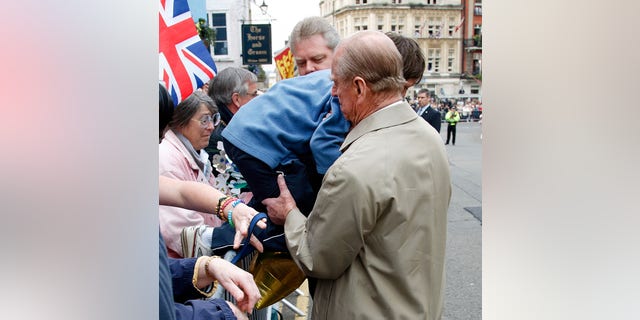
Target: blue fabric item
[295, 117]
[247, 247]
[175, 288]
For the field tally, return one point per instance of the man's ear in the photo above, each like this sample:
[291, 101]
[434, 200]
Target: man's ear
[235, 98]
[360, 84]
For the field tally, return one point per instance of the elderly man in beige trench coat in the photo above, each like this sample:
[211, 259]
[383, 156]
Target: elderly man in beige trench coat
[376, 236]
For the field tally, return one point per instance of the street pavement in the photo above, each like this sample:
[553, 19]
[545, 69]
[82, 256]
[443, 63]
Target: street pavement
[463, 291]
[463, 286]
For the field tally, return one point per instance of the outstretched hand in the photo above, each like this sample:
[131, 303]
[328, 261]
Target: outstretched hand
[278, 208]
[237, 281]
[242, 216]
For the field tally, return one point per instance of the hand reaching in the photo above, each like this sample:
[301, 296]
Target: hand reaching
[278, 208]
[237, 282]
[242, 215]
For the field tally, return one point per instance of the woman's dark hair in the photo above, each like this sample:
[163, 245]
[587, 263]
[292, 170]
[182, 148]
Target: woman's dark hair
[188, 107]
[166, 109]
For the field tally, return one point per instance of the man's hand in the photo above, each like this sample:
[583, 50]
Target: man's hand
[278, 208]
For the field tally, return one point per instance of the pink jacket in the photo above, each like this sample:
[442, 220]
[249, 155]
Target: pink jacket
[176, 162]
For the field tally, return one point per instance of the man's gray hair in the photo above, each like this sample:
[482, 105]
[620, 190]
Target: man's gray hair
[229, 81]
[311, 26]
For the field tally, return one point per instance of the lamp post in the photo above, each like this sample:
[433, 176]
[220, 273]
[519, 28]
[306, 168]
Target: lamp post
[263, 8]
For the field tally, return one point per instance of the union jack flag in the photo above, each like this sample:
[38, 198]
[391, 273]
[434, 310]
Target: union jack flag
[185, 63]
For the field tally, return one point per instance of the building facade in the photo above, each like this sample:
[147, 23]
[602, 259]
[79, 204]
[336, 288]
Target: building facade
[436, 25]
[472, 55]
[226, 18]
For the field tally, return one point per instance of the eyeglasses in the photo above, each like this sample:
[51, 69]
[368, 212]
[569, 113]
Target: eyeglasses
[205, 120]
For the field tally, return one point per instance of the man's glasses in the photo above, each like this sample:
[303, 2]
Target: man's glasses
[205, 120]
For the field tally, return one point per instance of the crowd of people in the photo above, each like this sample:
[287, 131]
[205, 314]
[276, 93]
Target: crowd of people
[355, 183]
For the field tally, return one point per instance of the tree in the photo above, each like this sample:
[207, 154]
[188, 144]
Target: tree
[207, 35]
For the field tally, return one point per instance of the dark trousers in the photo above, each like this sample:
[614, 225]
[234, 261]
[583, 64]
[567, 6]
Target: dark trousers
[302, 180]
[451, 132]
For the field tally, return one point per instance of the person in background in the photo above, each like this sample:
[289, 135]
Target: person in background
[295, 127]
[165, 110]
[452, 117]
[426, 111]
[375, 239]
[184, 282]
[312, 42]
[413, 63]
[230, 89]
[182, 157]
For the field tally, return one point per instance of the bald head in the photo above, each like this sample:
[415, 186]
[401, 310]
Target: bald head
[367, 74]
[372, 56]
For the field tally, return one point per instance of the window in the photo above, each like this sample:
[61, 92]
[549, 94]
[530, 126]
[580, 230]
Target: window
[435, 28]
[450, 60]
[477, 8]
[396, 1]
[452, 27]
[417, 30]
[397, 24]
[219, 23]
[433, 60]
[475, 89]
[431, 1]
[360, 24]
[380, 22]
[361, 1]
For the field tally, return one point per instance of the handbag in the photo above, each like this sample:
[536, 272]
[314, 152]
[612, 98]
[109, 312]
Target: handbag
[274, 272]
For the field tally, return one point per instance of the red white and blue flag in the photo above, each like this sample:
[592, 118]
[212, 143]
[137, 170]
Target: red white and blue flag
[185, 63]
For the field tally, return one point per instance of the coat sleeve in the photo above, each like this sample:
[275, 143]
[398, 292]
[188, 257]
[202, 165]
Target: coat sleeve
[216, 309]
[175, 287]
[188, 304]
[326, 244]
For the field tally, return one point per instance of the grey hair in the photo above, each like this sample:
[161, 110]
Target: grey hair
[189, 107]
[372, 56]
[229, 81]
[311, 26]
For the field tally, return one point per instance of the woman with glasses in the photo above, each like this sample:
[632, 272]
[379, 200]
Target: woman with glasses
[182, 157]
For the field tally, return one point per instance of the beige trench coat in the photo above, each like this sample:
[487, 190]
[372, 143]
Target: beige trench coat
[376, 235]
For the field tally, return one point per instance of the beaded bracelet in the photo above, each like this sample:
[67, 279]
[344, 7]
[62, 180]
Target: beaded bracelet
[220, 204]
[225, 204]
[233, 206]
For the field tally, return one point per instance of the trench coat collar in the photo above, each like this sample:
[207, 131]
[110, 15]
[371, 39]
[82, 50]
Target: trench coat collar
[395, 114]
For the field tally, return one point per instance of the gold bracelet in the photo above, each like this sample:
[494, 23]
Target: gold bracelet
[194, 280]
[206, 271]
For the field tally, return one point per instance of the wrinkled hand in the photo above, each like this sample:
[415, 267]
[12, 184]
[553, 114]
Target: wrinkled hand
[237, 312]
[278, 208]
[242, 215]
[237, 282]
